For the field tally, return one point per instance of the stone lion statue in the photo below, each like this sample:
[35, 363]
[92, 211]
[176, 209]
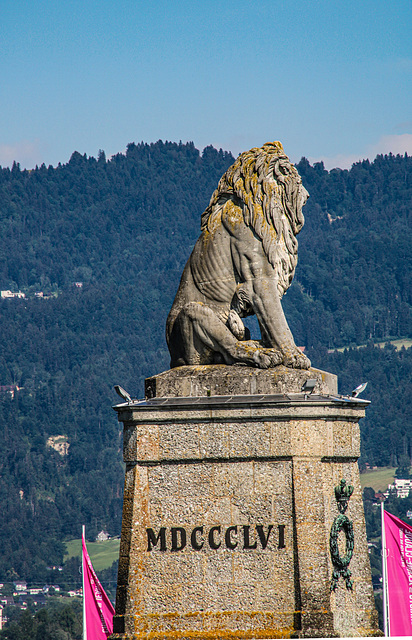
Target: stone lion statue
[242, 263]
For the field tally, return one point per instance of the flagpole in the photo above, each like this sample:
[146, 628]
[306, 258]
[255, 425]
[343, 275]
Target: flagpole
[83, 589]
[386, 623]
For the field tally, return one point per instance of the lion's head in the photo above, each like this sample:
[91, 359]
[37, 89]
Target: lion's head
[268, 189]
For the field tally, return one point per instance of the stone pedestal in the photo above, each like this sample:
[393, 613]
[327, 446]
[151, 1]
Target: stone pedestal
[229, 504]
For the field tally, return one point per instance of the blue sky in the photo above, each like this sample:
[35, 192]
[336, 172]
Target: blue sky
[330, 79]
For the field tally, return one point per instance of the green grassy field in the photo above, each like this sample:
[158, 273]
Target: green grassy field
[402, 342]
[102, 554]
[399, 343]
[378, 479]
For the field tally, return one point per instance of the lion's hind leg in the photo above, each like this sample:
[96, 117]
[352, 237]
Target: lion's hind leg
[202, 334]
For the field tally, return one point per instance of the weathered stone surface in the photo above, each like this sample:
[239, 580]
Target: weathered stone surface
[229, 504]
[221, 380]
[241, 265]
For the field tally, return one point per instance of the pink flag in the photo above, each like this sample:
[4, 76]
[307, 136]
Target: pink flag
[98, 609]
[398, 536]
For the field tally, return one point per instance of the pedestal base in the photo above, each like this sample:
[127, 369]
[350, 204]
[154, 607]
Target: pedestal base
[229, 507]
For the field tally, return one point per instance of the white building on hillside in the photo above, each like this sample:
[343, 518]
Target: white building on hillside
[102, 536]
[400, 487]
[12, 294]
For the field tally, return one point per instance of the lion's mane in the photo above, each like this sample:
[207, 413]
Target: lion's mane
[265, 184]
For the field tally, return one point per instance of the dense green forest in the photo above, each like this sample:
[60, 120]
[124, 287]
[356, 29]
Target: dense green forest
[56, 621]
[124, 228]
[355, 253]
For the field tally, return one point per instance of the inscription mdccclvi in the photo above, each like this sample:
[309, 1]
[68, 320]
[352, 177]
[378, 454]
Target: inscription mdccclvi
[246, 537]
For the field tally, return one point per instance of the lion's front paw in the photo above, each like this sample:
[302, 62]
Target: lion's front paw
[296, 359]
[276, 357]
[261, 359]
[267, 358]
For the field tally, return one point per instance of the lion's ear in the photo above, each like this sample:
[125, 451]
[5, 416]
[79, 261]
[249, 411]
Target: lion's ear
[215, 217]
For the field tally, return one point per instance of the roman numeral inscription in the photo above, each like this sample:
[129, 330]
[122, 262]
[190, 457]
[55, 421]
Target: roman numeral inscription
[244, 536]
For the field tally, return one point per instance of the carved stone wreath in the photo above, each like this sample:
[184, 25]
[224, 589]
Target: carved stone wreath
[343, 493]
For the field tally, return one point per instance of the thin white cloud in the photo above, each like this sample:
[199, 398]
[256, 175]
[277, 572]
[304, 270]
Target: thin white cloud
[27, 153]
[396, 144]
[340, 161]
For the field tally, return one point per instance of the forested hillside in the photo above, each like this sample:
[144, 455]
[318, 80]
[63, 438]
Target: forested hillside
[124, 228]
[355, 252]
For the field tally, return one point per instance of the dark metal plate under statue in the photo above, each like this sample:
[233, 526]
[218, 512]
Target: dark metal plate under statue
[231, 509]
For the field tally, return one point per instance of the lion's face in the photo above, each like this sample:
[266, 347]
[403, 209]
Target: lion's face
[283, 178]
[297, 218]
